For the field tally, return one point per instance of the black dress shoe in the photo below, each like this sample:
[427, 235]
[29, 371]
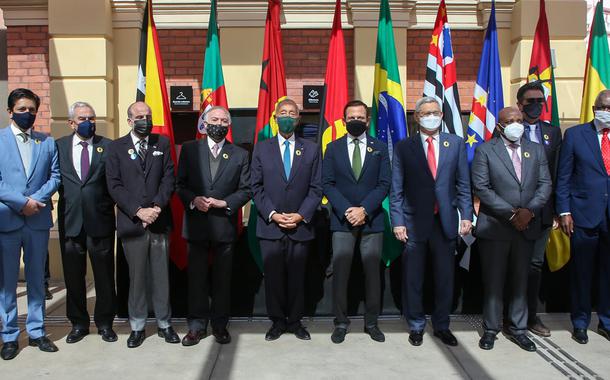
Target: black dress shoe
[487, 341]
[222, 336]
[169, 335]
[338, 335]
[603, 332]
[136, 338]
[416, 337]
[274, 332]
[76, 335]
[193, 337]
[108, 335]
[9, 350]
[523, 341]
[44, 344]
[301, 333]
[580, 336]
[375, 333]
[446, 337]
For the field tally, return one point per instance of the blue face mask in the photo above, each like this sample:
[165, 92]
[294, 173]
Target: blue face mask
[86, 129]
[24, 120]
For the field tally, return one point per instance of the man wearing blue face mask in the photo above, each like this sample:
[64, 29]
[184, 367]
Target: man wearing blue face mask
[86, 224]
[29, 175]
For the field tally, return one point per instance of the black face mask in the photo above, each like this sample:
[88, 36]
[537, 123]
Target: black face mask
[533, 110]
[142, 127]
[217, 132]
[356, 127]
[24, 120]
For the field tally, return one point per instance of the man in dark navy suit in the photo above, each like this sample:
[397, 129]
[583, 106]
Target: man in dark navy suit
[287, 189]
[356, 179]
[430, 184]
[583, 202]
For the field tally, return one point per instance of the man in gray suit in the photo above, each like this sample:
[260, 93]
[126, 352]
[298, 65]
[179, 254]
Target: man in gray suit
[510, 176]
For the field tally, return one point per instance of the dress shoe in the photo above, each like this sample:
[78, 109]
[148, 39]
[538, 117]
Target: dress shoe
[580, 336]
[222, 336]
[76, 335]
[301, 333]
[193, 337]
[169, 335]
[446, 337]
[375, 333]
[274, 332]
[603, 332]
[487, 341]
[9, 350]
[47, 293]
[416, 337]
[44, 344]
[523, 341]
[136, 338]
[108, 335]
[538, 328]
[338, 335]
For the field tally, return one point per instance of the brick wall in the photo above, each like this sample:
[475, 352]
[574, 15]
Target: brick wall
[28, 66]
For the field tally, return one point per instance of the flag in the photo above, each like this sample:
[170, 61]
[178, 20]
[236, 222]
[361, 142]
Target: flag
[597, 67]
[441, 77]
[488, 99]
[388, 121]
[332, 125]
[272, 90]
[151, 89]
[541, 68]
[213, 91]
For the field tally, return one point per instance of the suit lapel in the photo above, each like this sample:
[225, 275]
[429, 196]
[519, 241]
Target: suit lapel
[276, 152]
[344, 157]
[96, 156]
[418, 149]
[527, 148]
[204, 160]
[70, 170]
[10, 141]
[368, 153]
[297, 158]
[590, 135]
[226, 150]
[153, 141]
[502, 153]
[128, 146]
[443, 151]
[36, 148]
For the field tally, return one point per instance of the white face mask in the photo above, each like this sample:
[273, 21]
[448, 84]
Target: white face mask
[513, 132]
[430, 123]
[602, 118]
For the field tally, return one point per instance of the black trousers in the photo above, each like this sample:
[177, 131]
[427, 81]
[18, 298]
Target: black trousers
[284, 263]
[201, 289]
[74, 261]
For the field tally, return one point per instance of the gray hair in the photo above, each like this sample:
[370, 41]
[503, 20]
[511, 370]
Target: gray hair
[426, 100]
[76, 105]
[206, 112]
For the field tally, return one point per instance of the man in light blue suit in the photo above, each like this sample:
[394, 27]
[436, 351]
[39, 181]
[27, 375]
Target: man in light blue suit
[29, 175]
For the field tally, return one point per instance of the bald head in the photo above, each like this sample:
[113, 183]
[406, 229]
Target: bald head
[508, 115]
[603, 100]
[138, 108]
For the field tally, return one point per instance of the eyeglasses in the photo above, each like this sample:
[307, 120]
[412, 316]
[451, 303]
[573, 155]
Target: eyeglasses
[431, 113]
[80, 119]
[602, 108]
[535, 100]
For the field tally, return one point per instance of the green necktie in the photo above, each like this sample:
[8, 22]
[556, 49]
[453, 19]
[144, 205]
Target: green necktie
[356, 159]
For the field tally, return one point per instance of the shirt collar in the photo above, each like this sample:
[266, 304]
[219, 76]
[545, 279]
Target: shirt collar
[17, 131]
[76, 140]
[361, 138]
[212, 142]
[281, 139]
[507, 143]
[136, 140]
[424, 136]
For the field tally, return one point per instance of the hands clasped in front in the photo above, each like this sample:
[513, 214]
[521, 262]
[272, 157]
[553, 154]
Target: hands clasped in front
[356, 216]
[521, 218]
[32, 207]
[204, 204]
[287, 221]
[148, 215]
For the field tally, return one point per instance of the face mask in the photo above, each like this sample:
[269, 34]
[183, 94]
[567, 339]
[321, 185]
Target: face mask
[142, 127]
[603, 118]
[86, 129]
[286, 124]
[513, 132]
[217, 132]
[533, 110]
[356, 127]
[24, 120]
[430, 123]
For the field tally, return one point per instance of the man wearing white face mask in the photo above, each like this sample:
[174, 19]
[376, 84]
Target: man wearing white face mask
[510, 176]
[430, 183]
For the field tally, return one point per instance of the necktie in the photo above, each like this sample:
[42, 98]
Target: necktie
[606, 149]
[215, 150]
[432, 164]
[84, 161]
[516, 160]
[142, 151]
[287, 158]
[24, 137]
[356, 159]
[527, 132]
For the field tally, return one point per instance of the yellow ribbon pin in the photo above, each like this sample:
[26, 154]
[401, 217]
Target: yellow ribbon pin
[369, 149]
[546, 137]
[526, 154]
[225, 156]
[131, 151]
[298, 152]
[446, 144]
[100, 149]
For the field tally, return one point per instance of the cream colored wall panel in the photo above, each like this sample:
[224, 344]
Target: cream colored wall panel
[97, 92]
[80, 57]
[566, 18]
[569, 96]
[126, 43]
[80, 17]
[365, 40]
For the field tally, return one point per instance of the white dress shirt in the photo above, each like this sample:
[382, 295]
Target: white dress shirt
[211, 143]
[25, 148]
[533, 135]
[77, 150]
[281, 141]
[361, 145]
[136, 141]
[435, 142]
[509, 149]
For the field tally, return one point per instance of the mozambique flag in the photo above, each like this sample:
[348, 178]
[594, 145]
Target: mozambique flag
[597, 68]
[332, 125]
[541, 68]
[213, 85]
[272, 90]
[388, 122]
[152, 90]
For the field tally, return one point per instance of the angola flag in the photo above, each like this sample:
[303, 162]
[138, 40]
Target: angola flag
[152, 90]
[597, 67]
[388, 121]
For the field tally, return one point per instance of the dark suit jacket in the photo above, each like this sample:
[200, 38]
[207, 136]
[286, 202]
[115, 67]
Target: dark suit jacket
[231, 183]
[343, 190]
[84, 204]
[415, 191]
[583, 185]
[133, 188]
[495, 182]
[272, 191]
[551, 141]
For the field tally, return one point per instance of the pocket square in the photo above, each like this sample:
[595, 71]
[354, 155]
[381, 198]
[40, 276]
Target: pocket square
[157, 153]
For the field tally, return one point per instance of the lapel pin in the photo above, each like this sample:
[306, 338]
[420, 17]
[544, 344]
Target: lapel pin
[526, 154]
[546, 137]
[37, 141]
[100, 149]
[131, 151]
[133, 156]
[369, 149]
[298, 152]
[446, 144]
[225, 156]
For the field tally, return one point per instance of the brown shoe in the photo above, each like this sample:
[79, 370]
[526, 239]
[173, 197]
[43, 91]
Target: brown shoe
[193, 337]
[539, 328]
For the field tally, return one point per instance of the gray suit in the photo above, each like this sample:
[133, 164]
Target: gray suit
[506, 252]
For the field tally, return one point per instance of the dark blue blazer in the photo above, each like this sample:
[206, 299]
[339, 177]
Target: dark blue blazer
[272, 191]
[343, 190]
[583, 185]
[414, 190]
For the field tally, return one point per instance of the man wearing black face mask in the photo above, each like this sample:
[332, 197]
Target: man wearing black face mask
[86, 224]
[213, 183]
[356, 178]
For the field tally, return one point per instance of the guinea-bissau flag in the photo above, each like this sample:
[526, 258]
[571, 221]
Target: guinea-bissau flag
[597, 67]
[152, 90]
[272, 90]
[388, 120]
